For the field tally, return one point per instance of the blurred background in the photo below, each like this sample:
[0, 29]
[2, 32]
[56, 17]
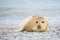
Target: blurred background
[14, 11]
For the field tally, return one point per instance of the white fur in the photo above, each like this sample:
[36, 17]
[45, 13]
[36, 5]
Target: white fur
[24, 22]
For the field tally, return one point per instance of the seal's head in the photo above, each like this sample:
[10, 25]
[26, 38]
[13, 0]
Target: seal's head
[37, 23]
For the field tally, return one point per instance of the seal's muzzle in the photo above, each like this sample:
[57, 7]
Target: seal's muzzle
[39, 27]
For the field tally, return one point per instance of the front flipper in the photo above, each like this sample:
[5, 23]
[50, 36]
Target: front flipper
[22, 29]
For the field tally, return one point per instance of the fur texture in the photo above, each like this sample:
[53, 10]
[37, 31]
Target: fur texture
[33, 23]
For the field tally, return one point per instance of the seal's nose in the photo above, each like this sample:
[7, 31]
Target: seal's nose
[39, 27]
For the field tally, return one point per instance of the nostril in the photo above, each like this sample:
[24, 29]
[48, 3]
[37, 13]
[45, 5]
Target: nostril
[39, 26]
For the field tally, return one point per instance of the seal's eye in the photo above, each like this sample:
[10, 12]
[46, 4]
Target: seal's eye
[36, 21]
[42, 21]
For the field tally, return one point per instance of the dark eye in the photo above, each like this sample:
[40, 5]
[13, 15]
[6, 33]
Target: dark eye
[36, 21]
[42, 21]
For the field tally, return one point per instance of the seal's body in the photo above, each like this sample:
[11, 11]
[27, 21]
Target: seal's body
[34, 23]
